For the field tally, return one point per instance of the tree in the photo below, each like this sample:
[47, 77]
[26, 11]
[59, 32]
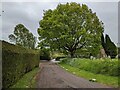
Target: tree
[44, 54]
[22, 37]
[12, 38]
[118, 52]
[109, 47]
[69, 27]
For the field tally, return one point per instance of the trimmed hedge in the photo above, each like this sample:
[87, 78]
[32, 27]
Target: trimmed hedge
[16, 61]
[106, 67]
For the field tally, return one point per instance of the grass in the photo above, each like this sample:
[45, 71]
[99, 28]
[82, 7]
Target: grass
[27, 81]
[98, 66]
[104, 79]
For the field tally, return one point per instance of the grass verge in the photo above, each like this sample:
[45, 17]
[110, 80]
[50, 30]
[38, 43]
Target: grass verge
[104, 79]
[27, 81]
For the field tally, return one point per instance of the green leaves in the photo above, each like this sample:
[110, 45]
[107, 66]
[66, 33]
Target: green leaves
[67, 23]
[12, 38]
[23, 37]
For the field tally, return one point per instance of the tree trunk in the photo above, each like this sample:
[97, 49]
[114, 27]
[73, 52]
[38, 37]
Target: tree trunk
[72, 54]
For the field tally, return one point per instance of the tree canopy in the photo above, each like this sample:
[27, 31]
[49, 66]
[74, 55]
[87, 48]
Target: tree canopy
[69, 27]
[22, 37]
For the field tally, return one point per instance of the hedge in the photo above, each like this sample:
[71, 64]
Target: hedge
[16, 61]
[107, 67]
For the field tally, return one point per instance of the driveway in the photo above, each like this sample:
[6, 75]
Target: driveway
[53, 76]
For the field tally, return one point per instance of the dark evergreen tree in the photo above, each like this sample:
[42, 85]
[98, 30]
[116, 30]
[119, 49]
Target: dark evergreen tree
[118, 52]
[109, 47]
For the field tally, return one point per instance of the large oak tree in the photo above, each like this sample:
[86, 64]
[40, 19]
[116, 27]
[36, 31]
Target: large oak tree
[69, 27]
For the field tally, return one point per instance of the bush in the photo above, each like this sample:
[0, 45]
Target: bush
[107, 66]
[16, 61]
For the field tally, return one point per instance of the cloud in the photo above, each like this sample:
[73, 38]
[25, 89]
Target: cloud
[26, 13]
[60, 0]
[108, 13]
[0, 20]
[30, 0]
[30, 13]
[119, 23]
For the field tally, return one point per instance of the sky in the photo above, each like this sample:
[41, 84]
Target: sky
[30, 13]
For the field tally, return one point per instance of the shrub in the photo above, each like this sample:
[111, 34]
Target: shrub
[16, 61]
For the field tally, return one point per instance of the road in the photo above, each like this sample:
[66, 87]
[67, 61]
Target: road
[53, 76]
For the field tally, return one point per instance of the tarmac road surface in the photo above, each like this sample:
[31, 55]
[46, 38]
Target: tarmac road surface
[53, 76]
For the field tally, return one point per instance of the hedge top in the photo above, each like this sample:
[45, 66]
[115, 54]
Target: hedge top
[16, 49]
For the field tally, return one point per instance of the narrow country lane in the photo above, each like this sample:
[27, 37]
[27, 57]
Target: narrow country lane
[53, 76]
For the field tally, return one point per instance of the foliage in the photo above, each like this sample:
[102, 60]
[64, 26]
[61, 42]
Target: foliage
[69, 27]
[109, 47]
[44, 54]
[23, 37]
[106, 67]
[56, 54]
[87, 52]
[16, 61]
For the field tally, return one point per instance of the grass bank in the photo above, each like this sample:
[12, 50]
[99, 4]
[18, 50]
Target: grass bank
[104, 79]
[28, 80]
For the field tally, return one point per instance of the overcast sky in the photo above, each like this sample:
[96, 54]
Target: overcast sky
[30, 13]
